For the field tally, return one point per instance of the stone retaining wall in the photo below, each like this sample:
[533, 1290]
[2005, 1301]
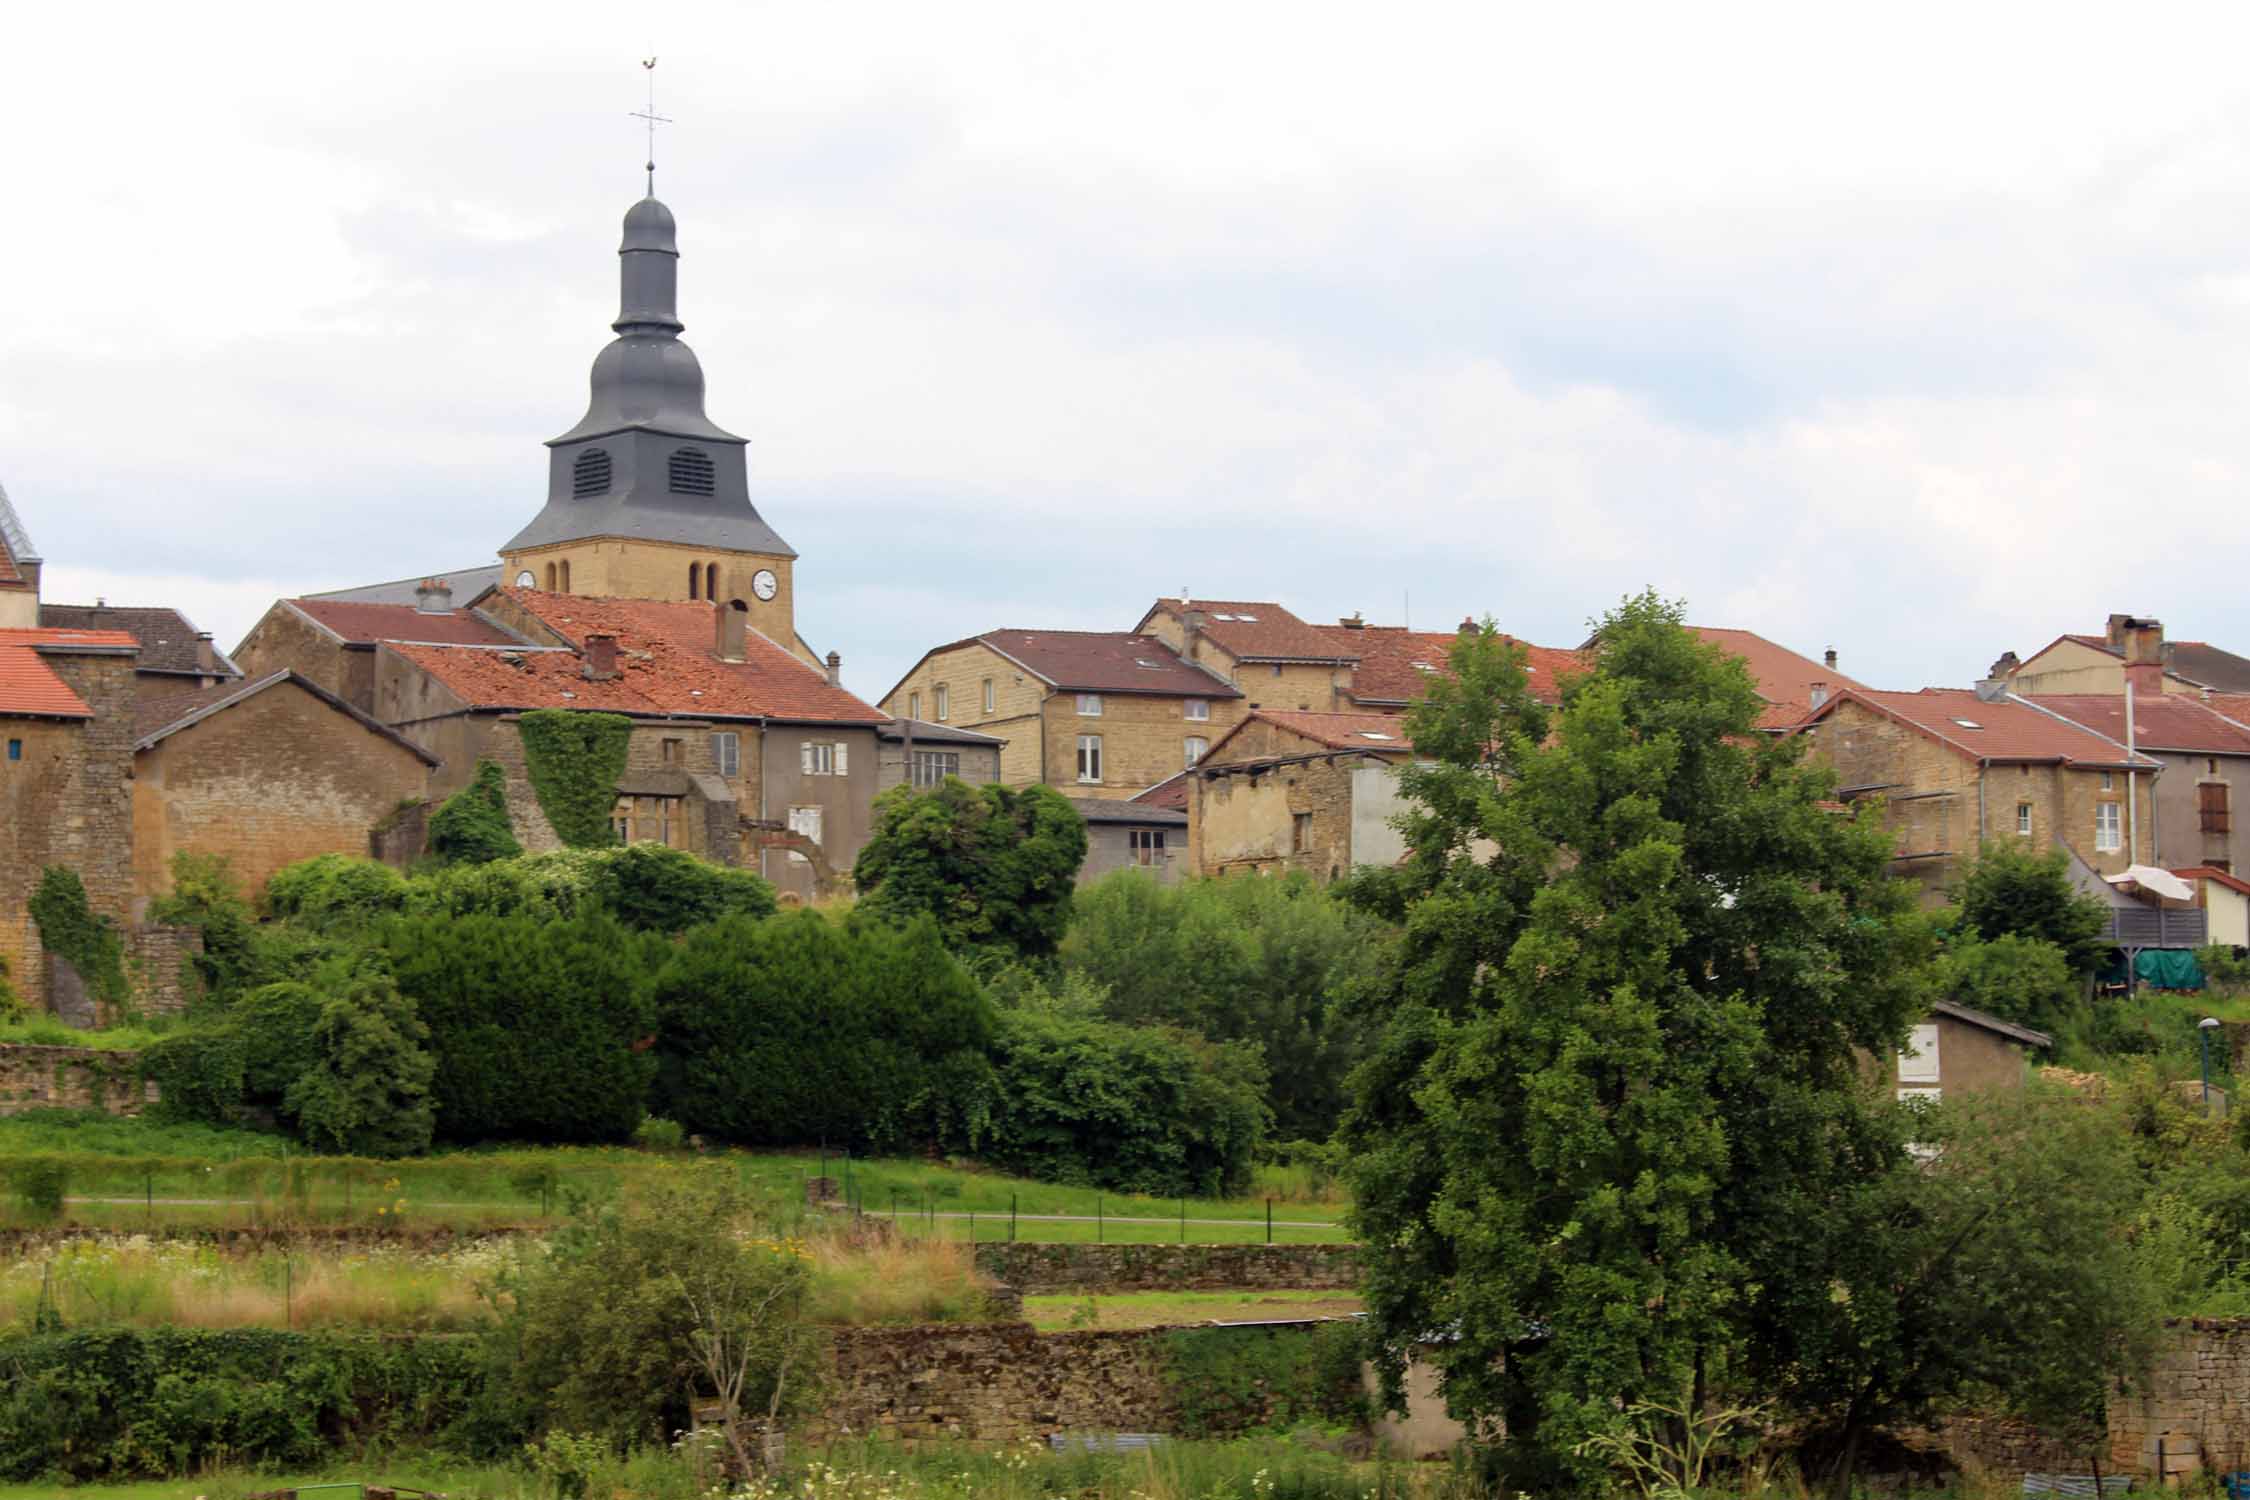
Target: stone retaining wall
[2199, 1391]
[254, 1239]
[1039, 1269]
[34, 1077]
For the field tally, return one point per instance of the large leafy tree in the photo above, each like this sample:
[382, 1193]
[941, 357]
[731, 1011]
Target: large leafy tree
[1619, 1072]
[2011, 891]
[994, 866]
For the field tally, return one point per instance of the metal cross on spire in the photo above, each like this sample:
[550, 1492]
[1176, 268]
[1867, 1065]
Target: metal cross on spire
[653, 118]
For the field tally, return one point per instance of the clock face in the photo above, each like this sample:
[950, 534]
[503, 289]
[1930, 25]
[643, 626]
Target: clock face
[763, 583]
[524, 579]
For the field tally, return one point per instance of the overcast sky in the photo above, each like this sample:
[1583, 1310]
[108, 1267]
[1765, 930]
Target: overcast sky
[1922, 332]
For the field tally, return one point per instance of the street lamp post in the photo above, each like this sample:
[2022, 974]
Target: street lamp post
[2203, 1030]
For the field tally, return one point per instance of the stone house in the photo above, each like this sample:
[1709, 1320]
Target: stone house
[1959, 1050]
[175, 656]
[264, 773]
[330, 640]
[1105, 713]
[2085, 663]
[740, 751]
[66, 763]
[1287, 791]
[936, 752]
[2205, 755]
[1133, 835]
[1956, 768]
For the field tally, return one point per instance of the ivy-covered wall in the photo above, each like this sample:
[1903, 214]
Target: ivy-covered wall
[573, 759]
[33, 1077]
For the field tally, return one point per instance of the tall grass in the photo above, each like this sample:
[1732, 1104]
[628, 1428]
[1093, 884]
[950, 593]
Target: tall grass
[876, 1279]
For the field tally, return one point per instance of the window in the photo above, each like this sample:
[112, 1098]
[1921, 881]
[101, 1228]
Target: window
[15, 749]
[1198, 709]
[1089, 705]
[938, 696]
[621, 820]
[695, 580]
[671, 752]
[823, 758]
[589, 474]
[2109, 833]
[914, 705]
[691, 472]
[566, 575]
[2211, 804]
[710, 580]
[1919, 1062]
[2023, 819]
[1089, 757]
[1147, 845]
[550, 578]
[933, 766]
[726, 751]
[988, 700]
[1196, 745]
[1300, 832]
[2109, 781]
[1277, 669]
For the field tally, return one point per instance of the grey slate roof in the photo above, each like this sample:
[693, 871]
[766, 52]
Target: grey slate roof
[926, 733]
[467, 584]
[1994, 1024]
[660, 518]
[12, 534]
[167, 637]
[1110, 810]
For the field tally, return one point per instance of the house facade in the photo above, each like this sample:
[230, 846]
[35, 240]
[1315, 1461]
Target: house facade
[2205, 760]
[924, 754]
[1307, 792]
[1956, 768]
[1132, 835]
[330, 641]
[1959, 1051]
[2128, 646]
[1096, 713]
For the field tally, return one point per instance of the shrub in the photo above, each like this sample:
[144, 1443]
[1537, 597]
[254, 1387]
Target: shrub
[334, 893]
[2022, 979]
[471, 826]
[658, 1134]
[1134, 1108]
[1229, 1380]
[2227, 968]
[11, 1003]
[995, 867]
[69, 927]
[198, 1073]
[2013, 890]
[796, 1030]
[645, 886]
[369, 1092]
[205, 896]
[39, 1184]
[539, 1029]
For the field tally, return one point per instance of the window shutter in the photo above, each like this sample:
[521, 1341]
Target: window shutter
[805, 752]
[842, 764]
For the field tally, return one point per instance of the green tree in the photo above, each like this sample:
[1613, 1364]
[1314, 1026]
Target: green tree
[2010, 889]
[540, 1030]
[1274, 962]
[2017, 978]
[993, 865]
[368, 1092]
[471, 827]
[1999, 1267]
[1620, 1051]
[206, 896]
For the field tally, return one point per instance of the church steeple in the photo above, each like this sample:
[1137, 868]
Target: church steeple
[645, 462]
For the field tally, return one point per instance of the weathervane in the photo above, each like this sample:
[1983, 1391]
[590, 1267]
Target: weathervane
[653, 118]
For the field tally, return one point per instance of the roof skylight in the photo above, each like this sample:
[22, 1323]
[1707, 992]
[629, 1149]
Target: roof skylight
[1968, 723]
[1375, 734]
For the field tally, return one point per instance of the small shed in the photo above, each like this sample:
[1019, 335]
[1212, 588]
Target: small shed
[1962, 1050]
[1136, 835]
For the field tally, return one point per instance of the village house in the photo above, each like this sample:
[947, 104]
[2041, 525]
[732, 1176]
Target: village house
[1959, 1051]
[2204, 754]
[1132, 835]
[1289, 791]
[329, 639]
[740, 751]
[2225, 899]
[1101, 712]
[936, 751]
[1956, 768]
[175, 656]
[2101, 663]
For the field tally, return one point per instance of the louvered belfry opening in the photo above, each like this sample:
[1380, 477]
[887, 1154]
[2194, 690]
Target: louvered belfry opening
[692, 472]
[590, 474]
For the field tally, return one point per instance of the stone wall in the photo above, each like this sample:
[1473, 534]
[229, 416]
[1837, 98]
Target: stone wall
[2199, 1391]
[33, 1077]
[161, 959]
[1035, 1270]
[991, 1382]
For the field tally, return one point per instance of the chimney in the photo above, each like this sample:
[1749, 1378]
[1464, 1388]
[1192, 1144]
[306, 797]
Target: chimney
[1352, 621]
[601, 657]
[1468, 626]
[835, 670]
[206, 654]
[1992, 689]
[1828, 658]
[2007, 665]
[434, 596]
[1192, 621]
[1816, 693]
[733, 623]
[2142, 641]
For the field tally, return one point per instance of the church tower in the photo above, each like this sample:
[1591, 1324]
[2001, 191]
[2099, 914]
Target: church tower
[647, 498]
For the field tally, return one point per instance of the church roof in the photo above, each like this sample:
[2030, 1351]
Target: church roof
[15, 545]
[666, 666]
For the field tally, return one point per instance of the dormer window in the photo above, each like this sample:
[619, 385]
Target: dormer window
[590, 474]
[692, 472]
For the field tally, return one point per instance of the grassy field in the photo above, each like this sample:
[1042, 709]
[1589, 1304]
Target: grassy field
[129, 1175]
[1159, 1309]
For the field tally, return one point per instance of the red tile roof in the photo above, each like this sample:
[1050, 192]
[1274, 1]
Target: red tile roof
[1381, 732]
[28, 686]
[2161, 721]
[1390, 658]
[1106, 661]
[1171, 792]
[2009, 729]
[2231, 881]
[665, 660]
[364, 623]
[2235, 706]
[1257, 630]
[1785, 679]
